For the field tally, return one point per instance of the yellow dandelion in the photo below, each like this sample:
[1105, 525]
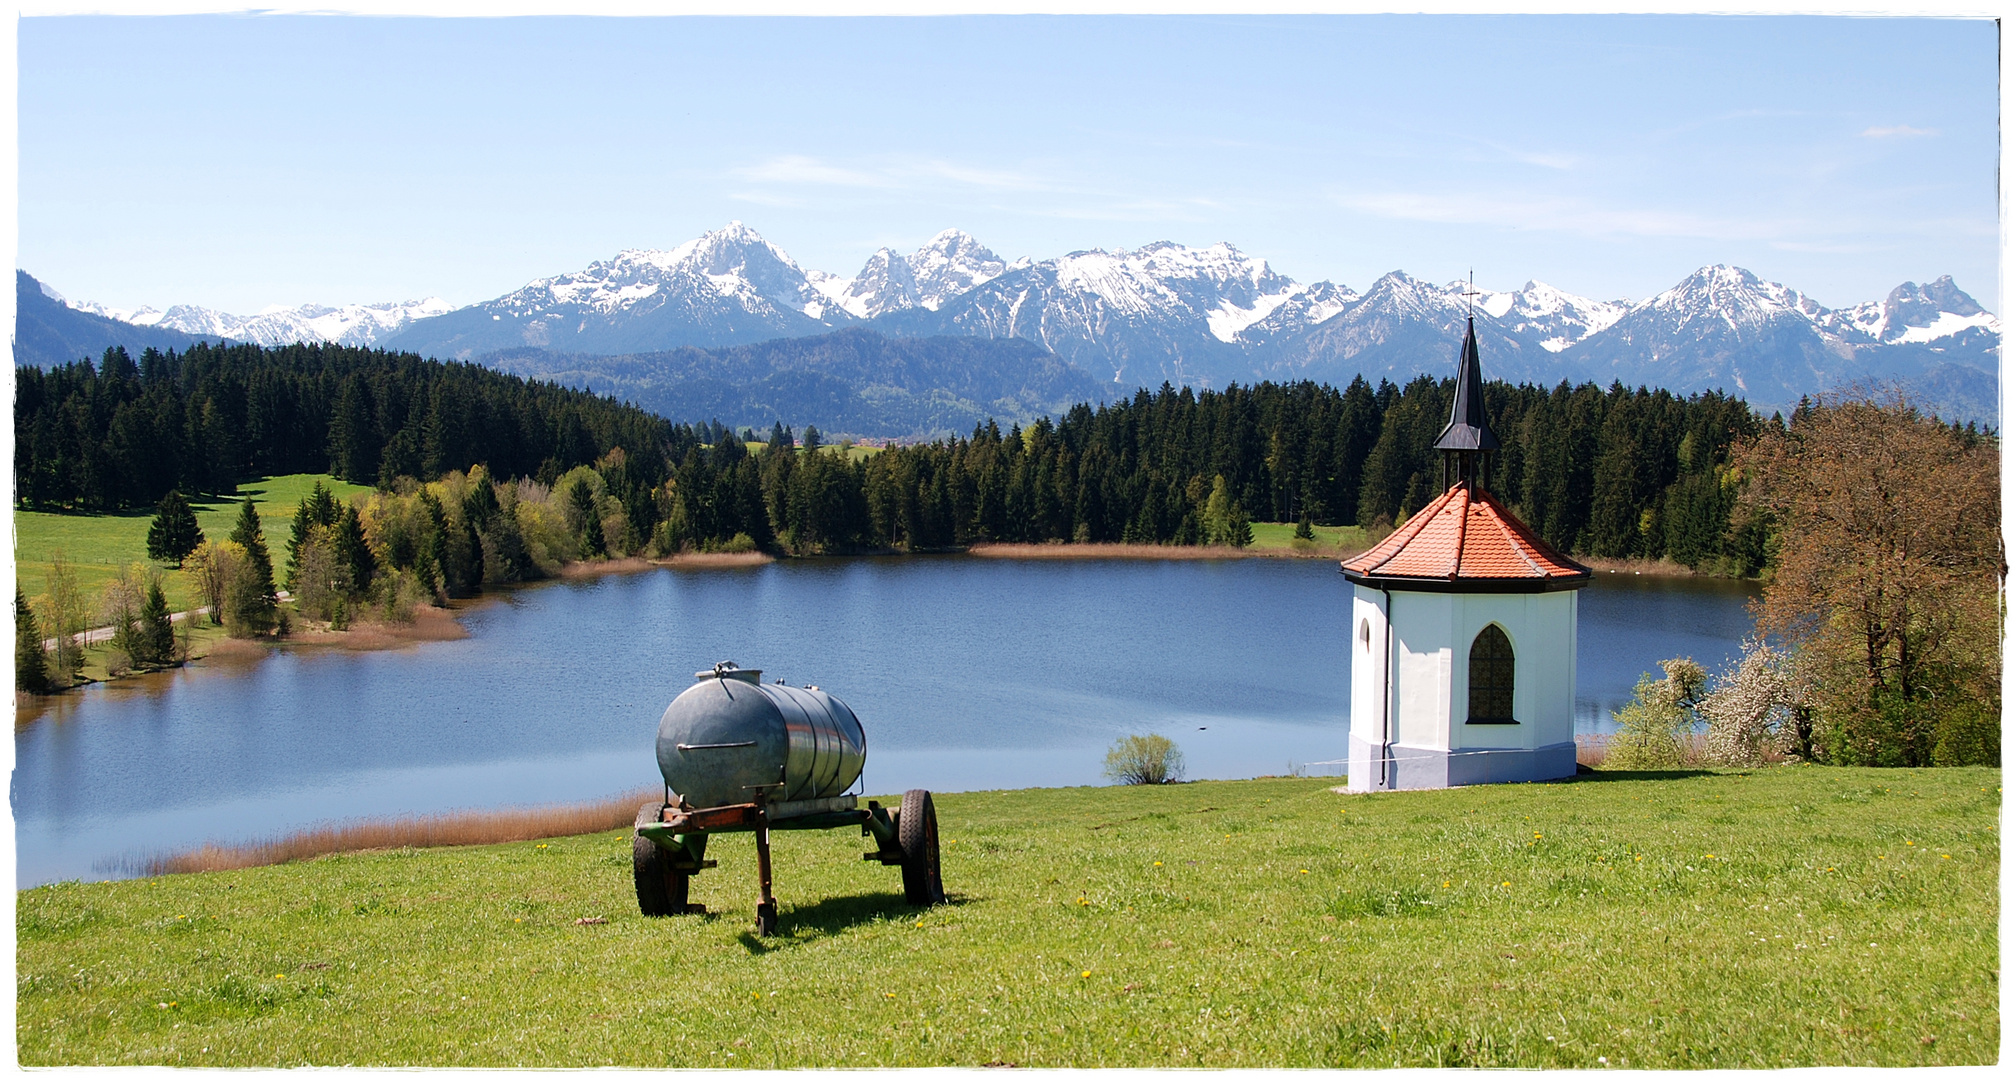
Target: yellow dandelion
[1158, 864]
[1085, 974]
[888, 995]
[1504, 884]
[1907, 843]
[282, 975]
[1945, 856]
[1445, 884]
[1305, 871]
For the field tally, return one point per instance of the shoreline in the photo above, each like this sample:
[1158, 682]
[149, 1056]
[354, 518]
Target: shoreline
[433, 623]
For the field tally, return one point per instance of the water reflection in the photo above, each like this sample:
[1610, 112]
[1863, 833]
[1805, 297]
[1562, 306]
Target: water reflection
[968, 673]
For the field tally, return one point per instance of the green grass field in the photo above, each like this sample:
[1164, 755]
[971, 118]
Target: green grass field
[1798, 916]
[1331, 540]
[99, 545]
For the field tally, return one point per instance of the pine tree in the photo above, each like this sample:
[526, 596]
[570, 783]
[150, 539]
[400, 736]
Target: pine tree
[1303, 531]
[154, 644]
[297, 539]
[252, 608]
[174, 533]
[31, 664]
[1239, 531]
[581, 507]
[353, 552]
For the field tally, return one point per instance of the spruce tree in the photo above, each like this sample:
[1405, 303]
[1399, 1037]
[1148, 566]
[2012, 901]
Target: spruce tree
[297, 539]
[581, 505]
[1239, 530]
[353, 552]
[31, 665]
[252, 605]
[174, 533]
[154, 644]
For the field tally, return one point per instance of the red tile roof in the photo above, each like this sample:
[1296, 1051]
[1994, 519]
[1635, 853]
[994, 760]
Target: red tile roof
[1464, 537]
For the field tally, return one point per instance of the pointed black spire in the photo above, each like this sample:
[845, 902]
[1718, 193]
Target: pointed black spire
[1467, 440]
[1467, 429]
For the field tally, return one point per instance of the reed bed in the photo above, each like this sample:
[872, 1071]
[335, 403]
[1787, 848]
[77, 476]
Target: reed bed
[1107, 551]
[461, 828]
[1590, 750]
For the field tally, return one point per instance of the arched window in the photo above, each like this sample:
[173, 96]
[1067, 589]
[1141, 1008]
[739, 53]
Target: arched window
[1491, 677]
[1365, 634]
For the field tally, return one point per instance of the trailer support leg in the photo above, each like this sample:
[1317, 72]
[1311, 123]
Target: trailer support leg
[766, 910]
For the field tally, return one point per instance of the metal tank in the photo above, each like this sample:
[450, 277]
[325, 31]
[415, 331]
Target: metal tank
[732, 738]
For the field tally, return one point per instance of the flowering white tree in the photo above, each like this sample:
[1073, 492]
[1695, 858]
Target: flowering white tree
[1754, 706]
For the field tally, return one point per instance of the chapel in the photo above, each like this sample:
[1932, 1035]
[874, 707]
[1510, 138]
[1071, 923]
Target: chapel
[1463, 631]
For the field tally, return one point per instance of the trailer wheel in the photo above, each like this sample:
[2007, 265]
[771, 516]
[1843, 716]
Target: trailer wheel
[917, 834]
[661, 890]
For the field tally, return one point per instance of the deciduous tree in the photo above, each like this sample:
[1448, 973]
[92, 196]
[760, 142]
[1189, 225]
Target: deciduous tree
[1888, 573]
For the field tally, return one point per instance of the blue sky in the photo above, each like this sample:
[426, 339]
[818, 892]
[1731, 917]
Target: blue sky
[240, 162]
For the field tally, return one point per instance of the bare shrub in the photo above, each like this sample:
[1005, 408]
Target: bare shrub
[1144, 759]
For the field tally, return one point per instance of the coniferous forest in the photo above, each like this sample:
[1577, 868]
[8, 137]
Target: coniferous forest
[1606, 472]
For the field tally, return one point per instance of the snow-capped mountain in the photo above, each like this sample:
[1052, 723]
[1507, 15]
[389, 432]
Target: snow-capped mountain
[1723, 327]
[726, 287]
[1554, 319]
[351, 324]
[1163, 311]
[1204, 316]
[1916, 314]
[952, 263]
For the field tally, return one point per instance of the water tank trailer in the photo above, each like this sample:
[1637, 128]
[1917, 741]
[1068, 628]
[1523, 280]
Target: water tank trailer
[742, 755]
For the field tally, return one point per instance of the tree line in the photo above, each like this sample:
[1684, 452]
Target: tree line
[119, 434]
[1607, 472]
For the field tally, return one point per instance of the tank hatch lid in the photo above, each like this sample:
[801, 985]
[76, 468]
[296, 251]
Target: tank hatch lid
[726, 669]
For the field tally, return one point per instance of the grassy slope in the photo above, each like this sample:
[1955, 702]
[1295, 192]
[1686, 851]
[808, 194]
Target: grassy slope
[98, 545]
[1796, 916]
[1331, 540]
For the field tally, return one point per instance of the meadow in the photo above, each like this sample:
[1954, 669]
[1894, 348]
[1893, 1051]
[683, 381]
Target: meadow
[98, 546]
[1790, 916]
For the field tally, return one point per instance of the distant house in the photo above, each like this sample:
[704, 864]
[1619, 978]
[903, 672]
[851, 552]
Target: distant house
[1463, 632]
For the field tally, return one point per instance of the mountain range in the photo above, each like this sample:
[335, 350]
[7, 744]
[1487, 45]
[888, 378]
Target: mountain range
[1202, 316]
[851, 381]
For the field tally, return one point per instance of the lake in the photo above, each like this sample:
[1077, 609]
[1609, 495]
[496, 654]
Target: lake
[968, 673]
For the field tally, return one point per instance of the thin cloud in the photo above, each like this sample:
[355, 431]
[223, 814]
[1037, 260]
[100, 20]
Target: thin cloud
[797, 170]
[985, 178]
[1557, 215]
[1899, 131]
[762, 198]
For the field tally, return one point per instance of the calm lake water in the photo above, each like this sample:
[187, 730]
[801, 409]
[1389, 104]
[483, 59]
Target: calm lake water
[968, 673]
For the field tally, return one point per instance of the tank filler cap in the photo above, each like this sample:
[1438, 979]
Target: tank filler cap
[726, 669]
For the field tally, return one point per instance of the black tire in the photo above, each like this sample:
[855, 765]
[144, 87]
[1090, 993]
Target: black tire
[917, 834]
[661, 890]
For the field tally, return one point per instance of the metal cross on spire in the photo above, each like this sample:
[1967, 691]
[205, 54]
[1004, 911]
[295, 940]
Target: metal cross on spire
[1470, 304]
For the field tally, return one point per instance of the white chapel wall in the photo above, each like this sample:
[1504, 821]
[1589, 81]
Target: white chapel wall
[1422, 625]
[1368, 664]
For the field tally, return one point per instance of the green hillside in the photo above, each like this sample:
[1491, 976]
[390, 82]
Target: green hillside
[1797, 916]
